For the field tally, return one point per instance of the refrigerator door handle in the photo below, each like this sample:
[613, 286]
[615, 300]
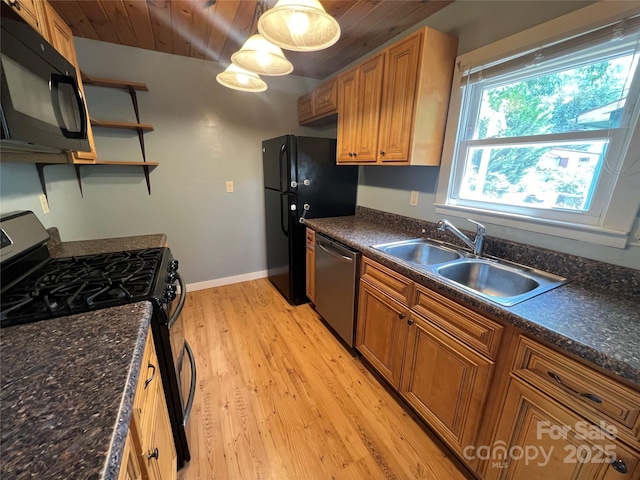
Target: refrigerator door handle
[284, 220]
[283, 151]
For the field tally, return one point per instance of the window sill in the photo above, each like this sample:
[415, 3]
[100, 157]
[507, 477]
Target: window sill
[585, 233]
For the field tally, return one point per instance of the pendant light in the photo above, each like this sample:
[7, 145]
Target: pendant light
[238, 79]
[299, 25]
[262, 57]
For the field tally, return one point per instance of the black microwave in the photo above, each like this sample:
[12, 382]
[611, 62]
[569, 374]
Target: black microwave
[42, 106]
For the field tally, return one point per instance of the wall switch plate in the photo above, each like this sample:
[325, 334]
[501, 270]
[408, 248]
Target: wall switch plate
[413, 200]
[44, 204]
[229, 186]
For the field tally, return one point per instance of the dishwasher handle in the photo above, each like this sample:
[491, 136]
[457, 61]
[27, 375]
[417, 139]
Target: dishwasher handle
[334, 253]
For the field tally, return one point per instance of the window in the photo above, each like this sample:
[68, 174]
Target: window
[543, 135]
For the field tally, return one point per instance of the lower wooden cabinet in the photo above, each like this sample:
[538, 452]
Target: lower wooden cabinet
[382, 332]
[540, 439]
[445, 381]
[509, 407]
[149, 450]
[130, 469]
[310, 252]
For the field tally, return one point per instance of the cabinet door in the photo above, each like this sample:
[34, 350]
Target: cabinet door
[382, 332]
[370, 76]
[305, 108]
[445, 381]
[61, 37]
[311, 264]
[347, 115]
[31, 12]
[399, 99]
[162, 460]
[130, 468]
[538, 439]
[325, 98]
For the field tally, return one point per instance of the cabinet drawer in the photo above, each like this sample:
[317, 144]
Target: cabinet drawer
[148, 381]
[387, 280]
[466, 325]
[586, 391]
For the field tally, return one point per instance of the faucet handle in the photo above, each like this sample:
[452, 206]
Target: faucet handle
[480, 229]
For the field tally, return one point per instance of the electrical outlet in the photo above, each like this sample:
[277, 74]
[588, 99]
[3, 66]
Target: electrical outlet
[44, 204]
[413, 200]
[229, 186]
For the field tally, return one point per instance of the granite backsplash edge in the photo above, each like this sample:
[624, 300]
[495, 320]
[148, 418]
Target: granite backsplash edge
[602, 275]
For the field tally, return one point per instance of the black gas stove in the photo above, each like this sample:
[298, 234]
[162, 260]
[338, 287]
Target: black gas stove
[36, 287]
[64, 286]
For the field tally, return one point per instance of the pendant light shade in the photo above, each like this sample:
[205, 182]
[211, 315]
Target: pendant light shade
[299, 25]
[262, 57]
[238, 79]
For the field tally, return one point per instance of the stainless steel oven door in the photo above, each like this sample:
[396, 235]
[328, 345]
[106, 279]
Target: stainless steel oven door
[183, 359]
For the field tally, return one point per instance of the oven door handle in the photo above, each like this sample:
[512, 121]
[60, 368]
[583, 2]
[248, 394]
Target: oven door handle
[183, 298]
[192, 389]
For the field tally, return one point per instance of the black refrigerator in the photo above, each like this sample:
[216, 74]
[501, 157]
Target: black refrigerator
[301, 180]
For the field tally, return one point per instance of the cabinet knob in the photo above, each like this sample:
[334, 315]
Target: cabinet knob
[401, 316]
[382, 153]
[355, 154]
[15, 3]
[410, 321]
[619, 466]
[153, 454]
[351, 154]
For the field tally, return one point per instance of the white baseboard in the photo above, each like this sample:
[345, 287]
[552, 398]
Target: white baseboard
[218, 282]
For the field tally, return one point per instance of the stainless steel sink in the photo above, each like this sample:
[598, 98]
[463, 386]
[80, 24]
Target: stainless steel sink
[419, 251]
[501, 282]
[496, 280]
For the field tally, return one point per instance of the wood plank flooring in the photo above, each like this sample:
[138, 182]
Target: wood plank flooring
[278, 397]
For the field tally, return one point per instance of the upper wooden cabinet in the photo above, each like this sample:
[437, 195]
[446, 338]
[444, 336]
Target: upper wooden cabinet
[318, 106]
[31, 11]
[359, 101]
[404, 120]
[58, 34]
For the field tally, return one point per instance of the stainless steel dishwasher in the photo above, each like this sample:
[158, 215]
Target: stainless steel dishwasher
[337, 268]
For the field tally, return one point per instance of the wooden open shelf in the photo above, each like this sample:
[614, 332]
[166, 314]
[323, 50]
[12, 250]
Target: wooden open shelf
[124, 163]
[140, 128]
[144, 127]
[109, 83]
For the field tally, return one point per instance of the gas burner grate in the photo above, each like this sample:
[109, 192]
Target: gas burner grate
[71, 285]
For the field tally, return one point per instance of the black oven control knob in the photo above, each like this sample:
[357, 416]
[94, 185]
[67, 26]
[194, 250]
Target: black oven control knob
[171, 278]
[173, 266]
[169, 293]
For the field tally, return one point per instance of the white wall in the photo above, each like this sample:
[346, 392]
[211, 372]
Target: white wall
[478, 23]
[204, 135]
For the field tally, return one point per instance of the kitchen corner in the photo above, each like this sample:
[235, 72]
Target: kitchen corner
[598, 321]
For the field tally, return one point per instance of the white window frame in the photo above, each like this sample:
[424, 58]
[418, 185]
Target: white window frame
[613, 215]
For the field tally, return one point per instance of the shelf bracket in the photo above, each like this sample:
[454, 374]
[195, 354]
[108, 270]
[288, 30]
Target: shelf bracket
[147, 178]
[43, 184]
[79, 177]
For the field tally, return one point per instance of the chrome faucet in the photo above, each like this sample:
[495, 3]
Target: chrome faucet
[477, 244]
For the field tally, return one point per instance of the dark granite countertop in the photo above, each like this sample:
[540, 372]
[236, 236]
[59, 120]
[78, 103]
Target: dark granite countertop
[57, 248]
[67, 393]
[594, 322]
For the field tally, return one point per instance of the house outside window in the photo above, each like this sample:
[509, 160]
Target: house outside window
[545, 134]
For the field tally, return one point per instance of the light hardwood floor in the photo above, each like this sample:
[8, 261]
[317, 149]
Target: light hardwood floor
[278, 397]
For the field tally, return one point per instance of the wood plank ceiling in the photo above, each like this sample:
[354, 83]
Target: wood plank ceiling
[214, 29]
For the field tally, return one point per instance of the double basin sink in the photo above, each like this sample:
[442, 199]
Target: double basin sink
[499, 281]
